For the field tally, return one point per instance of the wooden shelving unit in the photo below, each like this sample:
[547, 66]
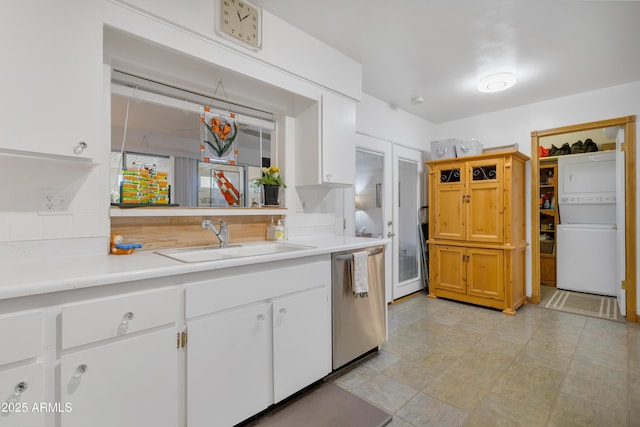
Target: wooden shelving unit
[549, 219]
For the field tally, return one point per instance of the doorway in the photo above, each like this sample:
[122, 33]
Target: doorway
[386, 197]
[407, 173]
[626, 152]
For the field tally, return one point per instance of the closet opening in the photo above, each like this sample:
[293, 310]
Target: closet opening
[574, 196]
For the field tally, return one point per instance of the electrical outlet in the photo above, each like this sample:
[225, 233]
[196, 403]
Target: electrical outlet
[54, 201]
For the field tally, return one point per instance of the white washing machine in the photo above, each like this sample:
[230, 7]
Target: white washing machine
[586, 257]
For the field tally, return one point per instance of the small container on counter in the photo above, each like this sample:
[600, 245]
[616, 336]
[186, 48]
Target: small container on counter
[279, 231]
[271, 229]
[120, 248]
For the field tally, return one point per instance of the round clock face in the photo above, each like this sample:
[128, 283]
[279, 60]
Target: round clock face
[240, 20]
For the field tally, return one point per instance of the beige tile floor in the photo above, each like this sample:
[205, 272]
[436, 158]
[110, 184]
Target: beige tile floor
[452, 364]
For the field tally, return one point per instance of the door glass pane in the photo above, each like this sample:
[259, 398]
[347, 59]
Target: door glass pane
[368, 191]
[483, 173]
[408, 220]
[450, 175]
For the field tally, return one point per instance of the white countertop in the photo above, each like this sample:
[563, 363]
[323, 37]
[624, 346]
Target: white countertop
[35, 276]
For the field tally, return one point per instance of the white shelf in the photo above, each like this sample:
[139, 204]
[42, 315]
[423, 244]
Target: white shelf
[177, 211]
[31, 171]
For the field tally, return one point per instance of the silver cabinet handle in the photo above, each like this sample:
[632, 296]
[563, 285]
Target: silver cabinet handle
[80, 369]
[15, 397]
[390, 234]
[124, 324]
[283, 310]
[260, 317]
[80, 147]
[74, 382]
[21, 387]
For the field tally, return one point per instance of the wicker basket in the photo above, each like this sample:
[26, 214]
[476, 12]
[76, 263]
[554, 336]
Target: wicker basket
[546, 246]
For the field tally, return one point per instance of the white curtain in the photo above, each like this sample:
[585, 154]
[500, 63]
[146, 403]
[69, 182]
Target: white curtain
[185, 191]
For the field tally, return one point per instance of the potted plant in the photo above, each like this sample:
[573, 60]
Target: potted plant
[271, 182]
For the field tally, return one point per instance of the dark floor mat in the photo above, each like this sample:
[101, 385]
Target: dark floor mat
[327, 406]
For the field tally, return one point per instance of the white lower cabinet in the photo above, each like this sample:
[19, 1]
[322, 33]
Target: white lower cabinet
[22, 377]
[119, 359]
[21, 396]
[229, 366]
[130, 382]
[254, 347]
[205, 353]
[301, 331]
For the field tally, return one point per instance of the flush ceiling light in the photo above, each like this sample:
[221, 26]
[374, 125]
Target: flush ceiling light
[496, 82]
[417, 100]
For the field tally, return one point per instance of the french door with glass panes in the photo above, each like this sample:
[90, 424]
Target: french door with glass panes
[407, 172]
[386, 202]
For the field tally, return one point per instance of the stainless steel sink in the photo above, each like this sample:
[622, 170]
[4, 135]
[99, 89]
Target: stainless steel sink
[216, 253]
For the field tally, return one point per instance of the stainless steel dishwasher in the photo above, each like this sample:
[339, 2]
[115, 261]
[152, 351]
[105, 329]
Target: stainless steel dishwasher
[359, 324]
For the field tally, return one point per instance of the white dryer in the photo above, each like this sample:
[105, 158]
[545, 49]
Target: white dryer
[587, 188]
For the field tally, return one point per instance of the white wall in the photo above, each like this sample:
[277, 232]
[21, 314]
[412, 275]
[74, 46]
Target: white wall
[377, 118]
[515, 126]
[288, 56]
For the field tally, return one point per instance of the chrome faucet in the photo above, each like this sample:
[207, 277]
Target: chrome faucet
[221, 233]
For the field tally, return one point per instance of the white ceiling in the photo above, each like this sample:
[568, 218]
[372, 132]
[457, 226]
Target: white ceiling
[438, 49]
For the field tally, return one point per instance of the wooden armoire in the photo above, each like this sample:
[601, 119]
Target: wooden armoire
[477, 229]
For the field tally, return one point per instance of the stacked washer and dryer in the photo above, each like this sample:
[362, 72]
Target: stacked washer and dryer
[587, 255]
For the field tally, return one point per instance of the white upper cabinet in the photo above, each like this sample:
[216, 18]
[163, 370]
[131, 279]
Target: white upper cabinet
[52, 76]
[325, 143]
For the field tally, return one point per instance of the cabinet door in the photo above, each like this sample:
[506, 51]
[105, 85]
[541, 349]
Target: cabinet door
[449, 199]
[485, 273]
[229, 366]
[51, 81]
[485, 202]
[548, 269]
[301, 341]
[449, 268]
[338, 140]
[131, 382]
[21, 389]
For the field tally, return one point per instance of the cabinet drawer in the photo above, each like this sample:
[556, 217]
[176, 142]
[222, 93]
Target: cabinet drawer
[21, 336]
[249, 286]
[99, 319]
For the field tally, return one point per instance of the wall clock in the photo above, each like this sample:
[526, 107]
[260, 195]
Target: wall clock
[240, 21]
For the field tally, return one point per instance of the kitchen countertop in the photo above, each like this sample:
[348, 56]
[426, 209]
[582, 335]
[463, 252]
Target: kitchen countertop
[35, 276]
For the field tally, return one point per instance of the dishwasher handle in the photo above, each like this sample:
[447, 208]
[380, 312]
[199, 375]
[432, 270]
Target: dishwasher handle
[349, 257]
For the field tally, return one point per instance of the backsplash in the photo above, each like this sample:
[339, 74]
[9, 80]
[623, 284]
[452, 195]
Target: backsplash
[179, 231]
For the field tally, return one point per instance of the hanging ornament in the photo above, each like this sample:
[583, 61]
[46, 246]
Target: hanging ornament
[229, 192]
[218, 131]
